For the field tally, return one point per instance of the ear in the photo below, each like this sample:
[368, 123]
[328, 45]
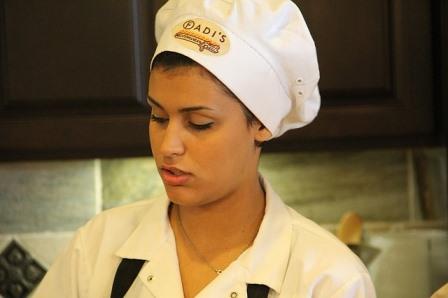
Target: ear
[262, 134]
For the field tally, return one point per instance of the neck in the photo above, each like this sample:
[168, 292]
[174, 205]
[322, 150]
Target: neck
[228, 222]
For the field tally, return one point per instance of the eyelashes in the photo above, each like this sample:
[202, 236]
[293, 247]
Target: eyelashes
[157, 119]
[198, 127]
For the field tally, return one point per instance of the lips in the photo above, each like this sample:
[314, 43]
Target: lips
[174, 176]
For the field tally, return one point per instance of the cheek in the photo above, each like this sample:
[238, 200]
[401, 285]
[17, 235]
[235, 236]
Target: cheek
[226, 153]
[154, 138]
[207, 154]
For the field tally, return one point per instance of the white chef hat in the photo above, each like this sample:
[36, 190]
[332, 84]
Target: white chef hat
[261, 50]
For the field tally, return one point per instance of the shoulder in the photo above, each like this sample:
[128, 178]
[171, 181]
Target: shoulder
[312, 240]
[127, 215]
[327, 264]
[115, 225]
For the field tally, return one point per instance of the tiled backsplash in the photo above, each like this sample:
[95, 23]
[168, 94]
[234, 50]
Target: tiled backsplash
[323, 186]
[52, 196]
[42, 203]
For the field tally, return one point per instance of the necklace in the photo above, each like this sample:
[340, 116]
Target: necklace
[196, 250]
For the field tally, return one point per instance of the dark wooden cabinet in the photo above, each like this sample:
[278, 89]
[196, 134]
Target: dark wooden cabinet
[74, 76]
[377, 74]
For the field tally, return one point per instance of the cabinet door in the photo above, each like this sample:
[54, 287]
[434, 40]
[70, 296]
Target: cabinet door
[74, 77]
[376, 82]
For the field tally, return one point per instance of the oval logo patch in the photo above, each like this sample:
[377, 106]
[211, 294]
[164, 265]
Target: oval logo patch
[202, 36]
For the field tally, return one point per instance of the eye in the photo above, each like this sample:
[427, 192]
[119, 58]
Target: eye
[158, 119]
[200, 126]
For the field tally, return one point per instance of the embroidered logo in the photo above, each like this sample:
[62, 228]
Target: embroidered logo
[202, 36]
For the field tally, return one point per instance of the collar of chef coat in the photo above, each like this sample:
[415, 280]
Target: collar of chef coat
[265, 262]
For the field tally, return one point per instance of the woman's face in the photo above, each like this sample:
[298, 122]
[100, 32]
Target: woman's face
[200, 140]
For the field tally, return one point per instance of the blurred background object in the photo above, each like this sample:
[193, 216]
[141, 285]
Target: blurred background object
[350, 232]
[441, 293]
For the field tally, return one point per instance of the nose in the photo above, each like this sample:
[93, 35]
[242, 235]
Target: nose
[172, 143]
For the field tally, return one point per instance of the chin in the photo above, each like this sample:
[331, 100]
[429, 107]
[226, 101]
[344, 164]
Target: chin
[183, 196]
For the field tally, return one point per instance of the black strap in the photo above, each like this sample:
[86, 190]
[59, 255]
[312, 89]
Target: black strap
[129, 268]
[257, 291]
[124, 277]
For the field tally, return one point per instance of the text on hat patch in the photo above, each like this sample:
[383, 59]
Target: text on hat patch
[202, 36]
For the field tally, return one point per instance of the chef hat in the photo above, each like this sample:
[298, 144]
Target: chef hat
[261, 50]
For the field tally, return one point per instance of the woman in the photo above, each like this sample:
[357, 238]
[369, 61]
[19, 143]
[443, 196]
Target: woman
[226, 77]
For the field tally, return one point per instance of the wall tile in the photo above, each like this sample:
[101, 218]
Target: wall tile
[323, 186]
[128, 180]
[46, 196]
[430, 168]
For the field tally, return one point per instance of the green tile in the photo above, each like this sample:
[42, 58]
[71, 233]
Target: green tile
[322, 186]
[128, 180]
[46, 196]
[430, 166]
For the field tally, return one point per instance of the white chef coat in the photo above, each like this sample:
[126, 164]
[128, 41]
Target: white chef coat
[290, 254]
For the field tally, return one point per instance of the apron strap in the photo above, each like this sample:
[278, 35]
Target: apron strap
[128, 270]
[257, 291]
[124, 277]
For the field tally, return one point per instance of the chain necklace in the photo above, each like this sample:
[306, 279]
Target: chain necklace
[196, 250]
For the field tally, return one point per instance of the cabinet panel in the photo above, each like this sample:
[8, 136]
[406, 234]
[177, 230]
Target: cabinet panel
[353, 43]
[74, 77]
[53, 49]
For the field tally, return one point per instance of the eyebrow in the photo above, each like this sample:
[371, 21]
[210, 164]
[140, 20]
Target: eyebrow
[151, 101]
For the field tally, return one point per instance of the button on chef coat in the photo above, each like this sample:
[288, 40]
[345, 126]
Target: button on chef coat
[292, 255]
